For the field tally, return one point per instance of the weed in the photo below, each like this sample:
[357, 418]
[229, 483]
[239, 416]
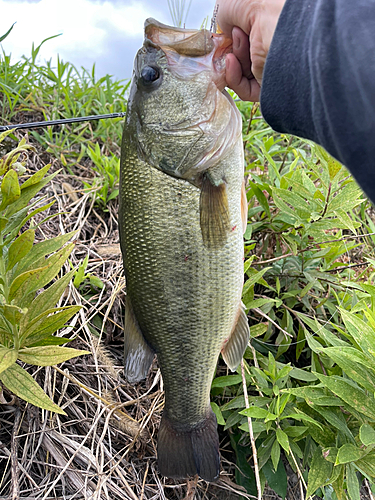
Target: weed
[29, 320]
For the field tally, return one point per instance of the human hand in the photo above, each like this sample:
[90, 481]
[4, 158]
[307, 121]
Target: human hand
[251, 24]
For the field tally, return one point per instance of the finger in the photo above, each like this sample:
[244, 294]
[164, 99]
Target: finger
[247, 89]
[233, 13]
[241, 49]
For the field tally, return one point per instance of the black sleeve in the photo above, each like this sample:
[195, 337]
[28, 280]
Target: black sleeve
[319, 80]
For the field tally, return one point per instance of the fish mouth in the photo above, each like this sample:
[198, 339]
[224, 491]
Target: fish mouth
[190, 51]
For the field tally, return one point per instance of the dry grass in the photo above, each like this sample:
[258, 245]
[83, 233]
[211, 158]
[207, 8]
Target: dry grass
[105, 446]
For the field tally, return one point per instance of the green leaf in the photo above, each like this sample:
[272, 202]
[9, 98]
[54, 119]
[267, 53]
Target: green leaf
[367, 434]
[37, 177]
[51, 340]
[27, 194]
[258, 329]
[48, 355]
[322, 435]
[304, 375]
[22, 384]
[316, 395]
[276, 479]
[346, 220]
[348, 453]
[44, 275]
[264, 451]
[330, 454]
[46, 300]
[257, 426]
[10, 189]
[352, 484]
[285, 209]
[80, 275]
[233, 419]
[353, 396]
[219, 415]
[295, 431]
[254, 279]
[367, 464]
[227, 381]
[20, 247]
[255, 412]
[44, 248]
[47, 323]
[96, 282]
[7, 358]
[361, 331]
[2, 37]
[335, 418]
[319, 473]
[21, 282]
[347, 199]
[334, 166]
[338, 483]
[18, 220]
[244, 474]
[301, 416]
[293, 199]
[282, 439]
[259, 303]
[275, 454]
[355, 364]
[263, 202]
[12, 313]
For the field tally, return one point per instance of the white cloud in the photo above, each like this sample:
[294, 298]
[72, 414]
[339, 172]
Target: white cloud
[85, 26]
[105, 32]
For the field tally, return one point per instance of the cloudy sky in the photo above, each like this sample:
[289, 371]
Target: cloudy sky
[105, 32]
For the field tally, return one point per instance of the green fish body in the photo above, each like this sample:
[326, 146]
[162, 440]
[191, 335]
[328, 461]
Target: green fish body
[182, 209]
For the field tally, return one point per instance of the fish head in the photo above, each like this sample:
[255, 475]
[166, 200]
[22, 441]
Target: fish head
[179, 115]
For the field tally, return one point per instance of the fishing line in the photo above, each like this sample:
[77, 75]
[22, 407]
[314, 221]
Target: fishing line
[4, 128]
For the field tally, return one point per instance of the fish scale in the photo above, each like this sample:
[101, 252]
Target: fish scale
[181, 232]
[173, 281]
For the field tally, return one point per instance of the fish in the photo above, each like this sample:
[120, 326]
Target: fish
[182, 215]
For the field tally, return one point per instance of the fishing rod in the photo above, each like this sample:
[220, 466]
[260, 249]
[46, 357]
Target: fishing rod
[4, 128]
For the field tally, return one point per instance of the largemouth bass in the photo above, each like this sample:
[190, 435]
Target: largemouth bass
[182, 215]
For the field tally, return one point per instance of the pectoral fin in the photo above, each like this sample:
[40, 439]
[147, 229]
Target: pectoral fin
[214, 212]
[138, 355]
[236, 344]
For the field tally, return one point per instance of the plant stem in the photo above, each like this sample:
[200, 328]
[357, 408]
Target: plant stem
[252, 440]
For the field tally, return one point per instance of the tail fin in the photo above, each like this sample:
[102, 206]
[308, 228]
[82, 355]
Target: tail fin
[183, 453]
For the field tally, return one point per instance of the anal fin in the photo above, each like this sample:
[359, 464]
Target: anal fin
[214, 212]
[237, 342]
[138, 355]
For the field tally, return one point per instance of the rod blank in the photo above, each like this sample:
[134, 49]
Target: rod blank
[4, 128]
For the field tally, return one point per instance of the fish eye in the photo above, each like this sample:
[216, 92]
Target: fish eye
[150, 74]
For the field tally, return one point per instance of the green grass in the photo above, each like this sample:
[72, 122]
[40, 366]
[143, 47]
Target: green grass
[308, 279]
[37, 92]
